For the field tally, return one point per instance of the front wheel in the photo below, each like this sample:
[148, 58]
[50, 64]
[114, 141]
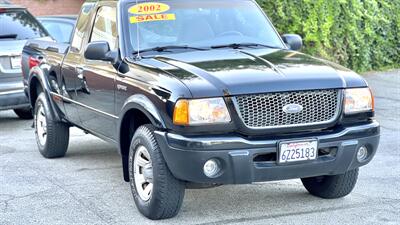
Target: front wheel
[52, 137]
[157, 193]
[331, 187]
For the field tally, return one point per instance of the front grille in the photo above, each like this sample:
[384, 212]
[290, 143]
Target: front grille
[266, 110]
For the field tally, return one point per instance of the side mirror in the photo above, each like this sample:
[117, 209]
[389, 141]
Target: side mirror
[293, 41]
[99, 50]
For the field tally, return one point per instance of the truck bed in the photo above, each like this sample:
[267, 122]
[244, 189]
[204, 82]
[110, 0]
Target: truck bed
[50, 51]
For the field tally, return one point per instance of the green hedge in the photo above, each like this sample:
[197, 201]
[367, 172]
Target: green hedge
[359, 34]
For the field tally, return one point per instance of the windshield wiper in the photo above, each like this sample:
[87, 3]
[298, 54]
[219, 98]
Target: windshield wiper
[7, 36]
[240, 45]
[168, 47]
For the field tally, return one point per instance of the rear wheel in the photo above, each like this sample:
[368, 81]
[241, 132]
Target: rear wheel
[52, 137]
[24, 113]
[157, 193]
[331, 187]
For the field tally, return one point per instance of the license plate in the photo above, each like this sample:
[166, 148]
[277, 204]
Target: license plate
[15, 62]
[295, 151]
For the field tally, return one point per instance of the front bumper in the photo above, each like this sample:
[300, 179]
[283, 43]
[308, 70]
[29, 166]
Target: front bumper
[13, 99]
[243, 162]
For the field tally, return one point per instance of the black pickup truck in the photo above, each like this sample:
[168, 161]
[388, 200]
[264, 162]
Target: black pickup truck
[199, 93]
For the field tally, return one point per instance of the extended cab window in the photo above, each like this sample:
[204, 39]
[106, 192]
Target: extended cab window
[105, 26]
[19, 25]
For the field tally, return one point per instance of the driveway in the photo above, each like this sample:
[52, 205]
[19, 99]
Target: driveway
[86, 187]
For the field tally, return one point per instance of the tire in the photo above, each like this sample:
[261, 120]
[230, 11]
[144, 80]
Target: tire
[331, 187]
[52, 137]
[24, 113]
[165, 198]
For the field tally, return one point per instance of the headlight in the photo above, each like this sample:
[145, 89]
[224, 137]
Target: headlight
[358, 100]
[201, 111]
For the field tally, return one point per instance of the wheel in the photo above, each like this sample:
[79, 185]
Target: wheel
[156, 192]
[24, 113]
[331, 187]
[52, 137]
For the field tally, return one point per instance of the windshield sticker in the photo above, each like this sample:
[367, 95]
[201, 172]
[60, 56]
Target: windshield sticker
[149, 8]
[154, 17]
[151, 11]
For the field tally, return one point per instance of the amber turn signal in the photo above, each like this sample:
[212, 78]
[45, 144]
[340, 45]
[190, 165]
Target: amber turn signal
[181, 113]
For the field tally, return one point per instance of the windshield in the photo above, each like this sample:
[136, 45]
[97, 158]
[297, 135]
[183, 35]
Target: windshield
[198, 23]
[19, 25]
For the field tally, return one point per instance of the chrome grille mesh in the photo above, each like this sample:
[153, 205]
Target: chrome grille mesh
[266, 110]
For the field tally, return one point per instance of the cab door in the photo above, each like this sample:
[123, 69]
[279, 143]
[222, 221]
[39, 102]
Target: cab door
[96, 79]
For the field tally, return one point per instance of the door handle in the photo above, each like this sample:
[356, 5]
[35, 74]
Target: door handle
[84, 86]
[79, 70]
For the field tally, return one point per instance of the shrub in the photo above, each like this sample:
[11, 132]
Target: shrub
[359, 34]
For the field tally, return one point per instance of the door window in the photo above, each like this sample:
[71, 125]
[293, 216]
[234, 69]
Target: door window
[105, 26]
[81, 27]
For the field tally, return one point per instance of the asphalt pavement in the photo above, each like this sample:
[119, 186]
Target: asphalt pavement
[86, 186]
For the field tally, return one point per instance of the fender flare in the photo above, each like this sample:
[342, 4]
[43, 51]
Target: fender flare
[144, 105]
[41, 73]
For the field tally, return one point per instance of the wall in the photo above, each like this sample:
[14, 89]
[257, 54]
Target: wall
[51, 7]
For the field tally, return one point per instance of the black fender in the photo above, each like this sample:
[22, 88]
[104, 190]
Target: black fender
[41, 73]
[146, 106]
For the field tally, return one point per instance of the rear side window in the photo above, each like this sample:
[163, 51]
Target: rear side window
[59, 30]
[19, 25]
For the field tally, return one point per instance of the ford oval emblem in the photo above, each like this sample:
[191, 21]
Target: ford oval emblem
[292, 108]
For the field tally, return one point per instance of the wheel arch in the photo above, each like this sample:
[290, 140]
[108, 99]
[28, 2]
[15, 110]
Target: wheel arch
[38, 82]
[138, 110]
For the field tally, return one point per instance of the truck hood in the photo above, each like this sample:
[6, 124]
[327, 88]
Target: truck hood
[226, 72]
